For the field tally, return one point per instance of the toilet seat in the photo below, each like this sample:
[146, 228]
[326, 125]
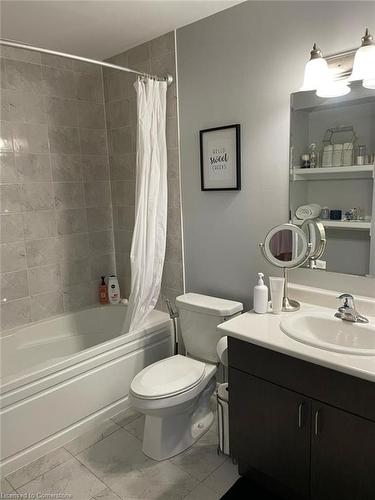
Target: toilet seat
[168, 377]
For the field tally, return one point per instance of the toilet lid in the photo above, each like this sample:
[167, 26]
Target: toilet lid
[168, 377]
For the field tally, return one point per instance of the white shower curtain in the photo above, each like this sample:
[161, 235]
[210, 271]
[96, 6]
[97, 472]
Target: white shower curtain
[150, 230]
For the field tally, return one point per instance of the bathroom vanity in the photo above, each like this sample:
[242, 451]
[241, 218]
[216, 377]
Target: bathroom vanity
[302, 418]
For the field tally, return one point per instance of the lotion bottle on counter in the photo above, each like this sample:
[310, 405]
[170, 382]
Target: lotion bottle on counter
[260, 296]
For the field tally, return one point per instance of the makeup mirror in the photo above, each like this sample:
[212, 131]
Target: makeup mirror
[287, 246]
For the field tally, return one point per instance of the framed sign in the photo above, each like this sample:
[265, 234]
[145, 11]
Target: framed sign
[220, 151]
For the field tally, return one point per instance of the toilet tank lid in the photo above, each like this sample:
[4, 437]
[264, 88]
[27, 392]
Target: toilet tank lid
[213, 306]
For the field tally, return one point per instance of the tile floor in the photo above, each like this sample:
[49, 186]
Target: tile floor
[107, 463]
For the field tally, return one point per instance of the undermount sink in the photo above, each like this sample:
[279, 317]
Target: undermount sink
[325, 331]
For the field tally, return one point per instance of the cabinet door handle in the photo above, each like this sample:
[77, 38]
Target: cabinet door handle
[316, 422]
[300, 415]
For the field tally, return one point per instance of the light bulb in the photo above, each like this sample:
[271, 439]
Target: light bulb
[333, 89]
[316, 70]
[364, 60]
[369, 84]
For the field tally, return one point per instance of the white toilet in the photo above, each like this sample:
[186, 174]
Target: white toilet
[174, 393]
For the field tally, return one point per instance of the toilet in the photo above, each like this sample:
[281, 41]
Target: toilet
[174, 393]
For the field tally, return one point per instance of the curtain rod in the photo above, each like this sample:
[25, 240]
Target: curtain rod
[20, 45]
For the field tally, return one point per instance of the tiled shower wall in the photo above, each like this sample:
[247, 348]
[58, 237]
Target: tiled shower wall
[60, 223]
[156, 57]
[56, 217]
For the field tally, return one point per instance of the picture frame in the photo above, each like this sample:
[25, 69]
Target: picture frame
[220, 158]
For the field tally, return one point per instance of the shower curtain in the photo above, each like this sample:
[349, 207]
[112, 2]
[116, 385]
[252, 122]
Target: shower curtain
[150, 230]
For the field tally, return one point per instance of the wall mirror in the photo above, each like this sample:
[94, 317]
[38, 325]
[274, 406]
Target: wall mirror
[287, 246]
[332, 147]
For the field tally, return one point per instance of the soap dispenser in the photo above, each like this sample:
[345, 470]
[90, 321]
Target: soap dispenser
[260, 296]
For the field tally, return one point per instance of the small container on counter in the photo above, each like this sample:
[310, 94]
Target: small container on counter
[325, 213]
[305, 161]
[335, 215]
[327, 155]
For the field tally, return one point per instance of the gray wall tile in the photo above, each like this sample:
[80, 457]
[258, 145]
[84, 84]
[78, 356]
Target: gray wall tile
[66, 167]
[42, 252]
[61, 112]
[99, 218]
[48, 104]
[93, 142]
[68, 195]
[89, 87]
[15, 313]
[97, 194]
[23, 76]
[6, 135]
[14, 285]
[95, 168]
[91, 115]
[64, 140]
[13, 256]
[23, 107]
[71, 221]
[30, 138]
[11, 227]
[75, 272]
[40, 224]
[58, 82]
[44, 279]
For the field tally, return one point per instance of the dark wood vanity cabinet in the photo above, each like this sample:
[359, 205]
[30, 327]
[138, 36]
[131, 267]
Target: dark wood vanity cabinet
[304, 431]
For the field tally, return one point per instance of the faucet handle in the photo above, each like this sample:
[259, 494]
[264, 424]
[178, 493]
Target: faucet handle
[348, 300]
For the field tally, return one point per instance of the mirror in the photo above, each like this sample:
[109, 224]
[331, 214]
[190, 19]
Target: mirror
[286, 246]
[316, 235]
[332, 147]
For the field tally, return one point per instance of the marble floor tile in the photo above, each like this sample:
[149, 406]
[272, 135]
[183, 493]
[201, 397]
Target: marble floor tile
[106, 494]
[125, 417]
[201, 492]
[38, 467]
[69, 478]
[154, 481]
[5, 486]
[223, 477]
[91, 437]
[136, 427]
[199, 461]
[114, 456]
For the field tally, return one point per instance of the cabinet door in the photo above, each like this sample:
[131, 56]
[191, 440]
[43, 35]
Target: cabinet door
[270, 433]
[342, 455]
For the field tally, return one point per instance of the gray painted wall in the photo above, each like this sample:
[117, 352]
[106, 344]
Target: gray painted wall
[240, 66]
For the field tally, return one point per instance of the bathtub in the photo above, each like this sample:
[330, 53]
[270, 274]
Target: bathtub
[62, 376]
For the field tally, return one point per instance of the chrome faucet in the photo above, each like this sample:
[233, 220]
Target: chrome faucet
[347, 310]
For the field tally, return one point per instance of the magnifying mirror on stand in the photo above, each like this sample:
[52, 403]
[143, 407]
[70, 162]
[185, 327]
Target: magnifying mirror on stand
[316, 235]
[288, 246]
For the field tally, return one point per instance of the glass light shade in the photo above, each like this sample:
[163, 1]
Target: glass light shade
[316, 73]
[333, 89]
[364, 64]
[369, 84]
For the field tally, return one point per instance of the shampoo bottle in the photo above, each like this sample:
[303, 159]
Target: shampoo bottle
[113, 290]
[260, 296]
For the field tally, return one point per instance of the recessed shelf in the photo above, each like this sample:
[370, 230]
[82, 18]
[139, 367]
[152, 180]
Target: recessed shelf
[352, 172]
[341, 224]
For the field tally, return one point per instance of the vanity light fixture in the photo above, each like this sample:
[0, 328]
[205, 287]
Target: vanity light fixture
[364, 62]
[318, 77]
[316, 70]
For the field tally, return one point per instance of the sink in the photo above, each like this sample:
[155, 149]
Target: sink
[325, 331]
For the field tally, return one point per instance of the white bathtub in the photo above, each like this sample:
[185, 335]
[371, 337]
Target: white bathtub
[61, 376]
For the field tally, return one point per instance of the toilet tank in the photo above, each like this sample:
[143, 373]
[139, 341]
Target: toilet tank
[199, 316]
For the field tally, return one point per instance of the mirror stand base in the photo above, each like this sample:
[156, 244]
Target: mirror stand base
[290, 305]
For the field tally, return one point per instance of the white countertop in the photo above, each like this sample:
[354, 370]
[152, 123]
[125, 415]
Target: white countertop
[264, 330]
